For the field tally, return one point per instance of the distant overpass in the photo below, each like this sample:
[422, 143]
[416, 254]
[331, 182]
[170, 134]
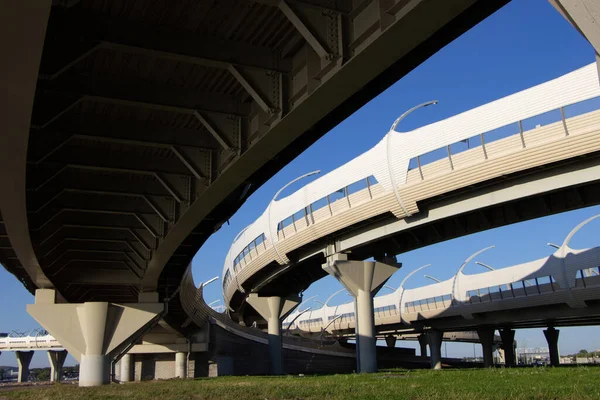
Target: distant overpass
[559, 290]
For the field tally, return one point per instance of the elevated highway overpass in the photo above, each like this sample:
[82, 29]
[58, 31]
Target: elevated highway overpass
[133, 130]
[503, 162]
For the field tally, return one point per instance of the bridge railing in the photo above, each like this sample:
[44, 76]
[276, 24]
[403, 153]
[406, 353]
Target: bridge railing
[523, 134]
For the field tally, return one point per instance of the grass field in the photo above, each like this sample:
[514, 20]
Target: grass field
[531, 383]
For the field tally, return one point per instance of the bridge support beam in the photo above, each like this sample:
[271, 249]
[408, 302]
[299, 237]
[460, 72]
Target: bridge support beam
[486, 337]
[180, 365]
[434, 338]
[552, 338]
[273, 309]
[57, 360]
[390, 340]
[23, 360]
[94, 332]
[362, 279]
[126, 368]
[508, 345]
[423, 344]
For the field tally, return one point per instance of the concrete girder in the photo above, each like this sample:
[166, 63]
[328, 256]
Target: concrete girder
[76, 87]
[22, 33]
[178, 151]
[164, 178]
[93, 332]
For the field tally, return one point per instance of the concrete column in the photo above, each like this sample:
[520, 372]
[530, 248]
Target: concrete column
[390, 341]
[23, 360]
[93, 332]
[274, 309]
[508, 340]
[552, 338]
[57, 360]
[434, 338]
[423, 344]
[486, 337]
[180, 364]
[363, 279]
[126, 368]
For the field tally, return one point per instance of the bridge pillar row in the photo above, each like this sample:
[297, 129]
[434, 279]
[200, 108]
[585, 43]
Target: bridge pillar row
[274, 309]
[362, 279]
[57, 360]
[94, 332]
[508, 344]
[434, 338]
[486, 337]
[23, 360]
[126, 370]
[552, 338]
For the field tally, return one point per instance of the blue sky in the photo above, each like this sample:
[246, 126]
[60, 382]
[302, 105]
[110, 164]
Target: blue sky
[525, 43]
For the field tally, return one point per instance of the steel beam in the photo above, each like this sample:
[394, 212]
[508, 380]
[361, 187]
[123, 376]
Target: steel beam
[304, 30]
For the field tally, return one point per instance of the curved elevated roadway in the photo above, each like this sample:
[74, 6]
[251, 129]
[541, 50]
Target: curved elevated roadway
[487, 157]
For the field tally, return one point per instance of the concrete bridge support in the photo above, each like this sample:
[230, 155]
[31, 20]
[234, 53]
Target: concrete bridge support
[273, 309]
[57, 360]
[126, 370]
[423, 344]
[180, 365]
[552, 338]
[363, 279]
[434, 338]
[508, 345]
[94, 332]
[486, 337]
[390, 340]
[23, 361]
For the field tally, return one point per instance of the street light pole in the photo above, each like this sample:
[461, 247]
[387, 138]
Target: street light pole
[389, 150]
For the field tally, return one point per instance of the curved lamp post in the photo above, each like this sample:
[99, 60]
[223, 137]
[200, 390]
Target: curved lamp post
[389, 149]
[402, 286]
[327, 326]
[271, 204]
[295, 318]
[464, 264]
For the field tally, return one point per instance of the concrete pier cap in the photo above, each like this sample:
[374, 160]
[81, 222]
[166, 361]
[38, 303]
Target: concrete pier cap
[363, 279]
[93, 332]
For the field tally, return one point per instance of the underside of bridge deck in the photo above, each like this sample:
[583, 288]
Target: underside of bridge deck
[152, 121]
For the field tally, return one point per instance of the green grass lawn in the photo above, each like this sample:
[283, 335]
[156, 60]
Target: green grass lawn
[530, 383]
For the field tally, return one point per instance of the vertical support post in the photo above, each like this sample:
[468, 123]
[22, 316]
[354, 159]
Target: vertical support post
[390, 341]
[273, 309]
[521, 133]
[420, 168]
[508, 339]
[126, 368]
[423, 344]
[434, 337]
[180, 367]
[57, 360]
[23, 360]
[486, 337]
[564, 120]
[362, 279]
[551, 335]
